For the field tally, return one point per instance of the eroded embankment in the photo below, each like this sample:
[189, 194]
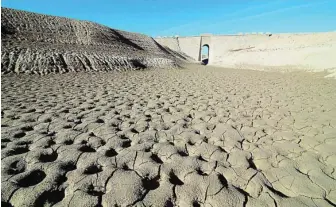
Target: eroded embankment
[35, 43]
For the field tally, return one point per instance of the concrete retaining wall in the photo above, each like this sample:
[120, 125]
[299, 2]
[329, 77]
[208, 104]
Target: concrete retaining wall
[315, 51]
[188, 45]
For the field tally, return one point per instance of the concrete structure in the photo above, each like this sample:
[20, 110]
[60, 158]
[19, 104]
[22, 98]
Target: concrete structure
[313, 51]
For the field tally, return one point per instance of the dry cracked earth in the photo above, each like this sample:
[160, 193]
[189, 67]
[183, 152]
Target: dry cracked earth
[200, 136]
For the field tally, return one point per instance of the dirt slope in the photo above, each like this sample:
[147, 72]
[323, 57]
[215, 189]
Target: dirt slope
[36, 43]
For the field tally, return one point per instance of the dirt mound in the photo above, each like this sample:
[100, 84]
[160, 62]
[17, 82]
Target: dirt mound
[41, 44]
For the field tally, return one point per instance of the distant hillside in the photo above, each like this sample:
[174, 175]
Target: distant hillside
[41, 44]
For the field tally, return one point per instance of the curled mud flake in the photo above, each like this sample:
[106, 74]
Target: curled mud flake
[251, 163]
[222, 180]
[125, 167]
[182, 153]
[18, 150]
[19, 134]
[201, 158]
[148, 149]
[33, 178]
[49, 143]
[196, 204]
[30, 110]
[87, 149]
[50, 198]
[93, 169]
[48, 157]
[156, 159]
[6, 204]
[200, 172]
[100, 121]
[27, 128]
[173, 179]
[68, 142]
[191, 143]
[151, 184]
[94, 191]
[84, 142]
[23, 143]
[126, 144]
[17, 167]
[122, 136]
[111, 153]
[5, 140]
[102, 142]
[51, 133]
[69, 166]
[65, 111]
[68, 126]
[48, 120]
[169, 203]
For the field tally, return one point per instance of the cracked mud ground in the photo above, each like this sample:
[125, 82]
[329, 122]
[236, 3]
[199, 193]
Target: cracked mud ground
[194, 137]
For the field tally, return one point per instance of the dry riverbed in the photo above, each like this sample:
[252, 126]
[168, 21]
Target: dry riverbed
[200, 136]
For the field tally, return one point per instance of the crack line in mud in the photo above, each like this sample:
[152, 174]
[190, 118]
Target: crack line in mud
[251, 178]
[135, 157]
[109, 179]
[147, 190]
[206, 192]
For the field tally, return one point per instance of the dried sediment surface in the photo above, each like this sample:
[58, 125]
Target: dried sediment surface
[195, 137]
[36, 43]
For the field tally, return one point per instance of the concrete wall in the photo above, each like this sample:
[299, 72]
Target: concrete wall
[315, 51]
[172, 43]
[188, 45]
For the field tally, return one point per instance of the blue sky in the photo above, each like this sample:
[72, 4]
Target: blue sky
[193, 17]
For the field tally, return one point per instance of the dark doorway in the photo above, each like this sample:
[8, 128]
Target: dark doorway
[205, 54]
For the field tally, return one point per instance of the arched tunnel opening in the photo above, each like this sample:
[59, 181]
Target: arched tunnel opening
[205, 54]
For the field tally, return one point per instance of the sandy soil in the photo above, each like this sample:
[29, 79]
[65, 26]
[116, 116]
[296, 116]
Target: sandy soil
[201, 136]
[35, 43]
